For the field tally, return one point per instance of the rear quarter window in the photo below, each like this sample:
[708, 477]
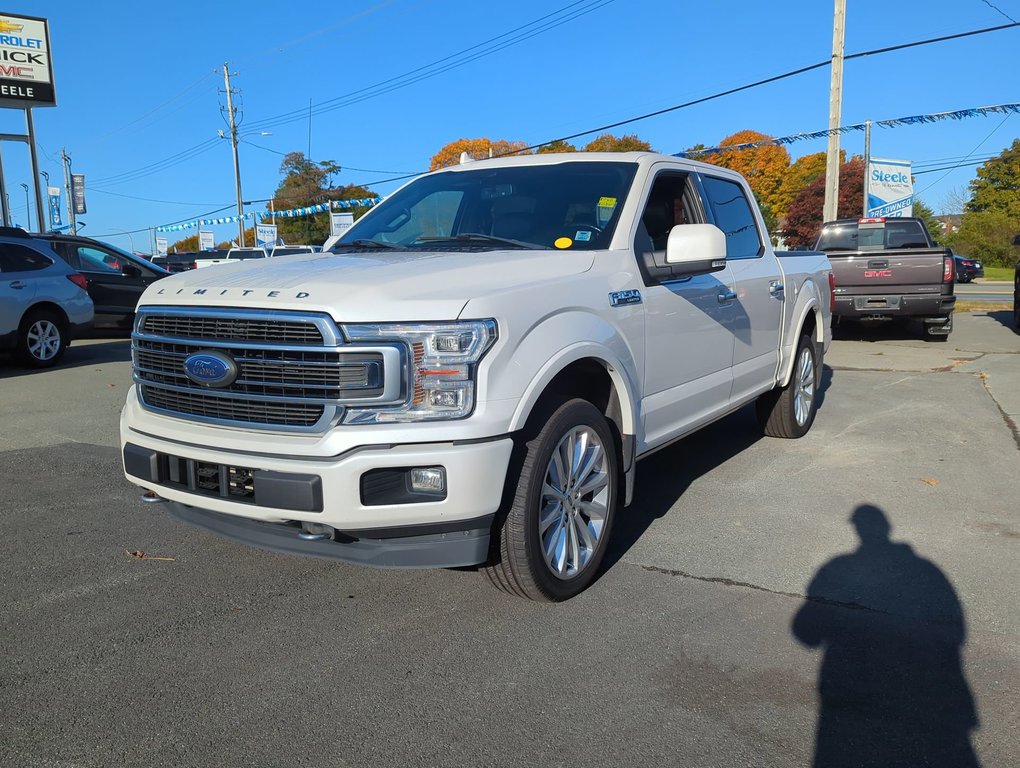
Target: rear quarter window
[20, 258]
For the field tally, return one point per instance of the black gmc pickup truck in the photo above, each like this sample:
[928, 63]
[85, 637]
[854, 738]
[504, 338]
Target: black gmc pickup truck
[890, 268]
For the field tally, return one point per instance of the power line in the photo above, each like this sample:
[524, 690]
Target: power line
[976, 148]
[159, 165]
[458, 59]
[167, 224]
[148, 199]
[768, 80]
[320, 162]
[998, 10]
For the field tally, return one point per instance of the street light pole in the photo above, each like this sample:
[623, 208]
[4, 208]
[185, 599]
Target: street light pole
[830, 208]
[233, 146]
[28, 206]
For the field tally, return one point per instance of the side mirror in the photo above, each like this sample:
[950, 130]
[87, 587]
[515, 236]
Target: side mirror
[696, 249]
[130, 270]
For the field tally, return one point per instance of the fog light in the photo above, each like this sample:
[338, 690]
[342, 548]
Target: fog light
[428, 480]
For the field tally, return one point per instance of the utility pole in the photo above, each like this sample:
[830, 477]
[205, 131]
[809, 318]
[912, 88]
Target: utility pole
[66, 162]
[867, 162]
[831, 205]
[5, 203]
[233, 145]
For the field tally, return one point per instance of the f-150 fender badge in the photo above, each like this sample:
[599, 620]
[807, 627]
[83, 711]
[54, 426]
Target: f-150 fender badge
[622, 298]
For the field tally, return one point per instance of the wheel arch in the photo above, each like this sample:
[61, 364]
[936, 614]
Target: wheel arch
[809, 319]
[47, 306]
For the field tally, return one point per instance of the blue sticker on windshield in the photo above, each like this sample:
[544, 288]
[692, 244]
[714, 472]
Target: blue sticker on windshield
[582, 236]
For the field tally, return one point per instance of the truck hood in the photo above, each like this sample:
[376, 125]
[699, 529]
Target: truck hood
[367, 287]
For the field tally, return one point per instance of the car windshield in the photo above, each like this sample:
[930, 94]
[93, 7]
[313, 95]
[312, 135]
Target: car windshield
[852, 236]
[571, 205]
[246, 253]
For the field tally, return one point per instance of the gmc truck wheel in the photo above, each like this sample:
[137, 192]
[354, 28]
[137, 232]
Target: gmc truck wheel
[41, 339]
[789, 412]
[560, 514]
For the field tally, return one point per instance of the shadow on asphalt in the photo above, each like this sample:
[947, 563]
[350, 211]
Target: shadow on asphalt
[663, 477]
[877, 330]
[891, 686]
[1002, 316]
[117, 350]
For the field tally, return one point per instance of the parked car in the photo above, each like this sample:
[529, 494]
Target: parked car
[176, 262]
[115, 278]
[888, 268]
[290, 250]
[472, 382]
[1016, 289]
[967, 269]
[43, 302]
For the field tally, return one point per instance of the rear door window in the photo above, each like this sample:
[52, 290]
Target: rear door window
[19, 258]
[733, 215]
[95, 260]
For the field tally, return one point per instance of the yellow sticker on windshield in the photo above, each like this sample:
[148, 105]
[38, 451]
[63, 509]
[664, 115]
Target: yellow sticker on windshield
[563, 242]
[607, 202]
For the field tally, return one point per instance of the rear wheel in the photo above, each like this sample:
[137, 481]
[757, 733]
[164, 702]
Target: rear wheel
[560, 514]
[42, 339]
[1016, 307]
[790, 411]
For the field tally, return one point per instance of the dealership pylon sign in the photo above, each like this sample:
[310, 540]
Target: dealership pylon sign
[26, 67]
[890, 188]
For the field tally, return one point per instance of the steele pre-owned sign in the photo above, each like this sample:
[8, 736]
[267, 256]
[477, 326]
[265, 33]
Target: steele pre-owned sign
[26, 69]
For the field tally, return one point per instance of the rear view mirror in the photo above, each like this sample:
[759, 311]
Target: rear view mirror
[696, 249]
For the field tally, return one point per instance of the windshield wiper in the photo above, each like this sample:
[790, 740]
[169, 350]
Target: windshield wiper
[475, 237]
[369, 244]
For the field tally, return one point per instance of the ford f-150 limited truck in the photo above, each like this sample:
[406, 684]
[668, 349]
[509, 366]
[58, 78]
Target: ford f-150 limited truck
[470, 375]
[890, 268]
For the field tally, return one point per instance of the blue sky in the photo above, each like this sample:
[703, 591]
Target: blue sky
[140, 83]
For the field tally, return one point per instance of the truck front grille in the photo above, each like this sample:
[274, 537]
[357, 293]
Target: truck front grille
[289, 385]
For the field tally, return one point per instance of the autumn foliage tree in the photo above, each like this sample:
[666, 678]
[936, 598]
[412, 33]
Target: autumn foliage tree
[764, 168]
[804, 218]
[477, 149]
[607, 142]
[798, 177]
[556, 146]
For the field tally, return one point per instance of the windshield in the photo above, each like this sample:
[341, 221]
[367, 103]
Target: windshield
[851, 236]
[246, 253]
[566, 205]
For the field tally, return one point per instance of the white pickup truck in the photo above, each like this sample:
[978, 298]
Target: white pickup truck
[233, 256]
[470, 375]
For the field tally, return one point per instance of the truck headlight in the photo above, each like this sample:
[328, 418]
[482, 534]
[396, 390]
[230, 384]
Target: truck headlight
[442, 360]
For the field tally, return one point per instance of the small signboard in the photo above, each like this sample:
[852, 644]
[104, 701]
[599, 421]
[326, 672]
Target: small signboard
[161, 246]
[890, 188]
[265, 235]
[205, 241]
[340, 223]
[26, 68]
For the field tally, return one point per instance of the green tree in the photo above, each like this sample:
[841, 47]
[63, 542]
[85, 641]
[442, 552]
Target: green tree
[927, 215]
[996, 187]
[607, 142]
[992, 215]
[307, 182]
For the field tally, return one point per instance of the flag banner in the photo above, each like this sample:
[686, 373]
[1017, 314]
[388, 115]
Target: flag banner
[960, 114]
[78, 193]
[366, 202]
[53, 194]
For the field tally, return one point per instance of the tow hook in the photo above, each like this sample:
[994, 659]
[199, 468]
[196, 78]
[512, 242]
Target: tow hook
[316, 532]
[151, 497]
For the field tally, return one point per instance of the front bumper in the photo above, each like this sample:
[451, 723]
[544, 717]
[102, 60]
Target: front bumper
[894, 305]
[327, 492]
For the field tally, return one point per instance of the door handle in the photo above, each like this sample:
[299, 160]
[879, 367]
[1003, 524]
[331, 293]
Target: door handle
[727, 297]
[777, 289]
[17, 284]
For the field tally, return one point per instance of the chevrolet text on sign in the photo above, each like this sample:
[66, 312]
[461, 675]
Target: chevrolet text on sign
[26, 69]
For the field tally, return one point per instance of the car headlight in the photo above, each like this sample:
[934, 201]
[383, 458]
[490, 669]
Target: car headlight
[442, 359]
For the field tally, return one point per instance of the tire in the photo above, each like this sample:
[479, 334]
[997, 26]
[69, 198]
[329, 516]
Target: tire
[42, 339]
[573, 535]
[943, 332]
[1016, 307]
[790, 411]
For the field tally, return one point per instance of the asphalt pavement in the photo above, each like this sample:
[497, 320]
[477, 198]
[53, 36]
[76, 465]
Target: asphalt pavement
[851, 598]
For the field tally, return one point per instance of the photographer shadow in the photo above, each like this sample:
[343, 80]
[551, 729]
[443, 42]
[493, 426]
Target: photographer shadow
[892, 688]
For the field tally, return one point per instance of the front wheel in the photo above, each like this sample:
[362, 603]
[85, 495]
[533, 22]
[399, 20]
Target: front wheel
[790, 411]
[1016, 311]
[560, 513]
[41, 339]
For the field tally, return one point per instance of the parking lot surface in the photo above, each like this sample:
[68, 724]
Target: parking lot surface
[851, 598]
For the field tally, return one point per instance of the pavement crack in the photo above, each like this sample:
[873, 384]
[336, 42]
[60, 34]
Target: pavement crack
[747, 585]
[1014, 430]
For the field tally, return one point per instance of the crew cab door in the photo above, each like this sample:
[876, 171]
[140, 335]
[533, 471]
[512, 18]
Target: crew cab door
[759, 307]
[688, 322]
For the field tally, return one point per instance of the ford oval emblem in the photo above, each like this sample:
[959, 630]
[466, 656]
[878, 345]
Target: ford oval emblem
[211, 369]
